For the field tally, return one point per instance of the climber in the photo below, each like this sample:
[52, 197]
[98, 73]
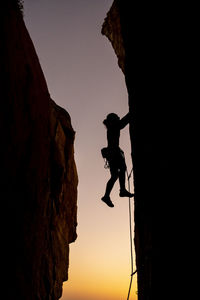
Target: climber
[115, 156]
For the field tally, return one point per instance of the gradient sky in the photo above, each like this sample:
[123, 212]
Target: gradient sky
[83, 76]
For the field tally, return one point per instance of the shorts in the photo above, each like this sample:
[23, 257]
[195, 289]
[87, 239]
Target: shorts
[116, 160]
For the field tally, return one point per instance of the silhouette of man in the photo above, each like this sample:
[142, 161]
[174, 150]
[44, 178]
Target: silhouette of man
[115, 156]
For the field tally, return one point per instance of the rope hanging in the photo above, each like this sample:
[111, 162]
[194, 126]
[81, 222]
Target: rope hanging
[131, 236]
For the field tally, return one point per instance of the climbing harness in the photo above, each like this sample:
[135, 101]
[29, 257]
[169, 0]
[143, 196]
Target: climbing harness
[131, 235]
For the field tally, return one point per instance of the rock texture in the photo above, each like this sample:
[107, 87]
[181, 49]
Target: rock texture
[149, 43]
[38, 186]
[113, 31]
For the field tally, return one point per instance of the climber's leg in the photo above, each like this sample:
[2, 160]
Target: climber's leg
[122, 172]
[109, 186]
[123, 191]
[122, 179]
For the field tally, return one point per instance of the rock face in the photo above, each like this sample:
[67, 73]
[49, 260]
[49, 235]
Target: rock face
[38, 186]
[149, 44]
[113, 31]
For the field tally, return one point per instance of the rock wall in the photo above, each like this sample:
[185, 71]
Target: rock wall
[149, 39]
[38, 185]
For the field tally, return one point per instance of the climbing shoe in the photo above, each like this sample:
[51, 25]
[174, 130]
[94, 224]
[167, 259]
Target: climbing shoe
[125, 193]
[107, 200]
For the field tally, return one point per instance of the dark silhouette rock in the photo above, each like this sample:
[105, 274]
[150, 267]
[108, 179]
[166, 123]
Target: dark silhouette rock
[38, 186]
[150, 42]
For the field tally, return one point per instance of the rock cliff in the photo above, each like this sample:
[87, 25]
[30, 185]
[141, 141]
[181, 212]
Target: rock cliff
[149, 43]
[38, 186]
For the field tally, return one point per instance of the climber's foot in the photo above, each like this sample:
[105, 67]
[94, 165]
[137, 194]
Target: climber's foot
[107, 200]
[125, 193]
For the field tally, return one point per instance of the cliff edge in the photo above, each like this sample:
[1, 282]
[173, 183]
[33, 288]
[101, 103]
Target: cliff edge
[152, 42]
[38, 185]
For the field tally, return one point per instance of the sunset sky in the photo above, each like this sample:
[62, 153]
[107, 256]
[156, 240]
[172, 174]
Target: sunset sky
[83, 77]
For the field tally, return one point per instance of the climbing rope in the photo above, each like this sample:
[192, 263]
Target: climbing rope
[131, 235]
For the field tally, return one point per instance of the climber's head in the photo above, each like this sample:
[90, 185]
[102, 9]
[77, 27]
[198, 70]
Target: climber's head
[111, 120]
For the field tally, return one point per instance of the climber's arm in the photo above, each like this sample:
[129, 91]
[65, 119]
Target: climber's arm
[124, 121]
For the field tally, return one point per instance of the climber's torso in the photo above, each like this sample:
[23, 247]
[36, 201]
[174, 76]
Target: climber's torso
[113, 135]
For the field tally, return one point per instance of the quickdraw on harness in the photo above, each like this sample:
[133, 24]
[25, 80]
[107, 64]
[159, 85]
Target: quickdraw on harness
[105, 153]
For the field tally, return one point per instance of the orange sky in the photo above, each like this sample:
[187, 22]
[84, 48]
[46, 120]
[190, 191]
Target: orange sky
[83, 77]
